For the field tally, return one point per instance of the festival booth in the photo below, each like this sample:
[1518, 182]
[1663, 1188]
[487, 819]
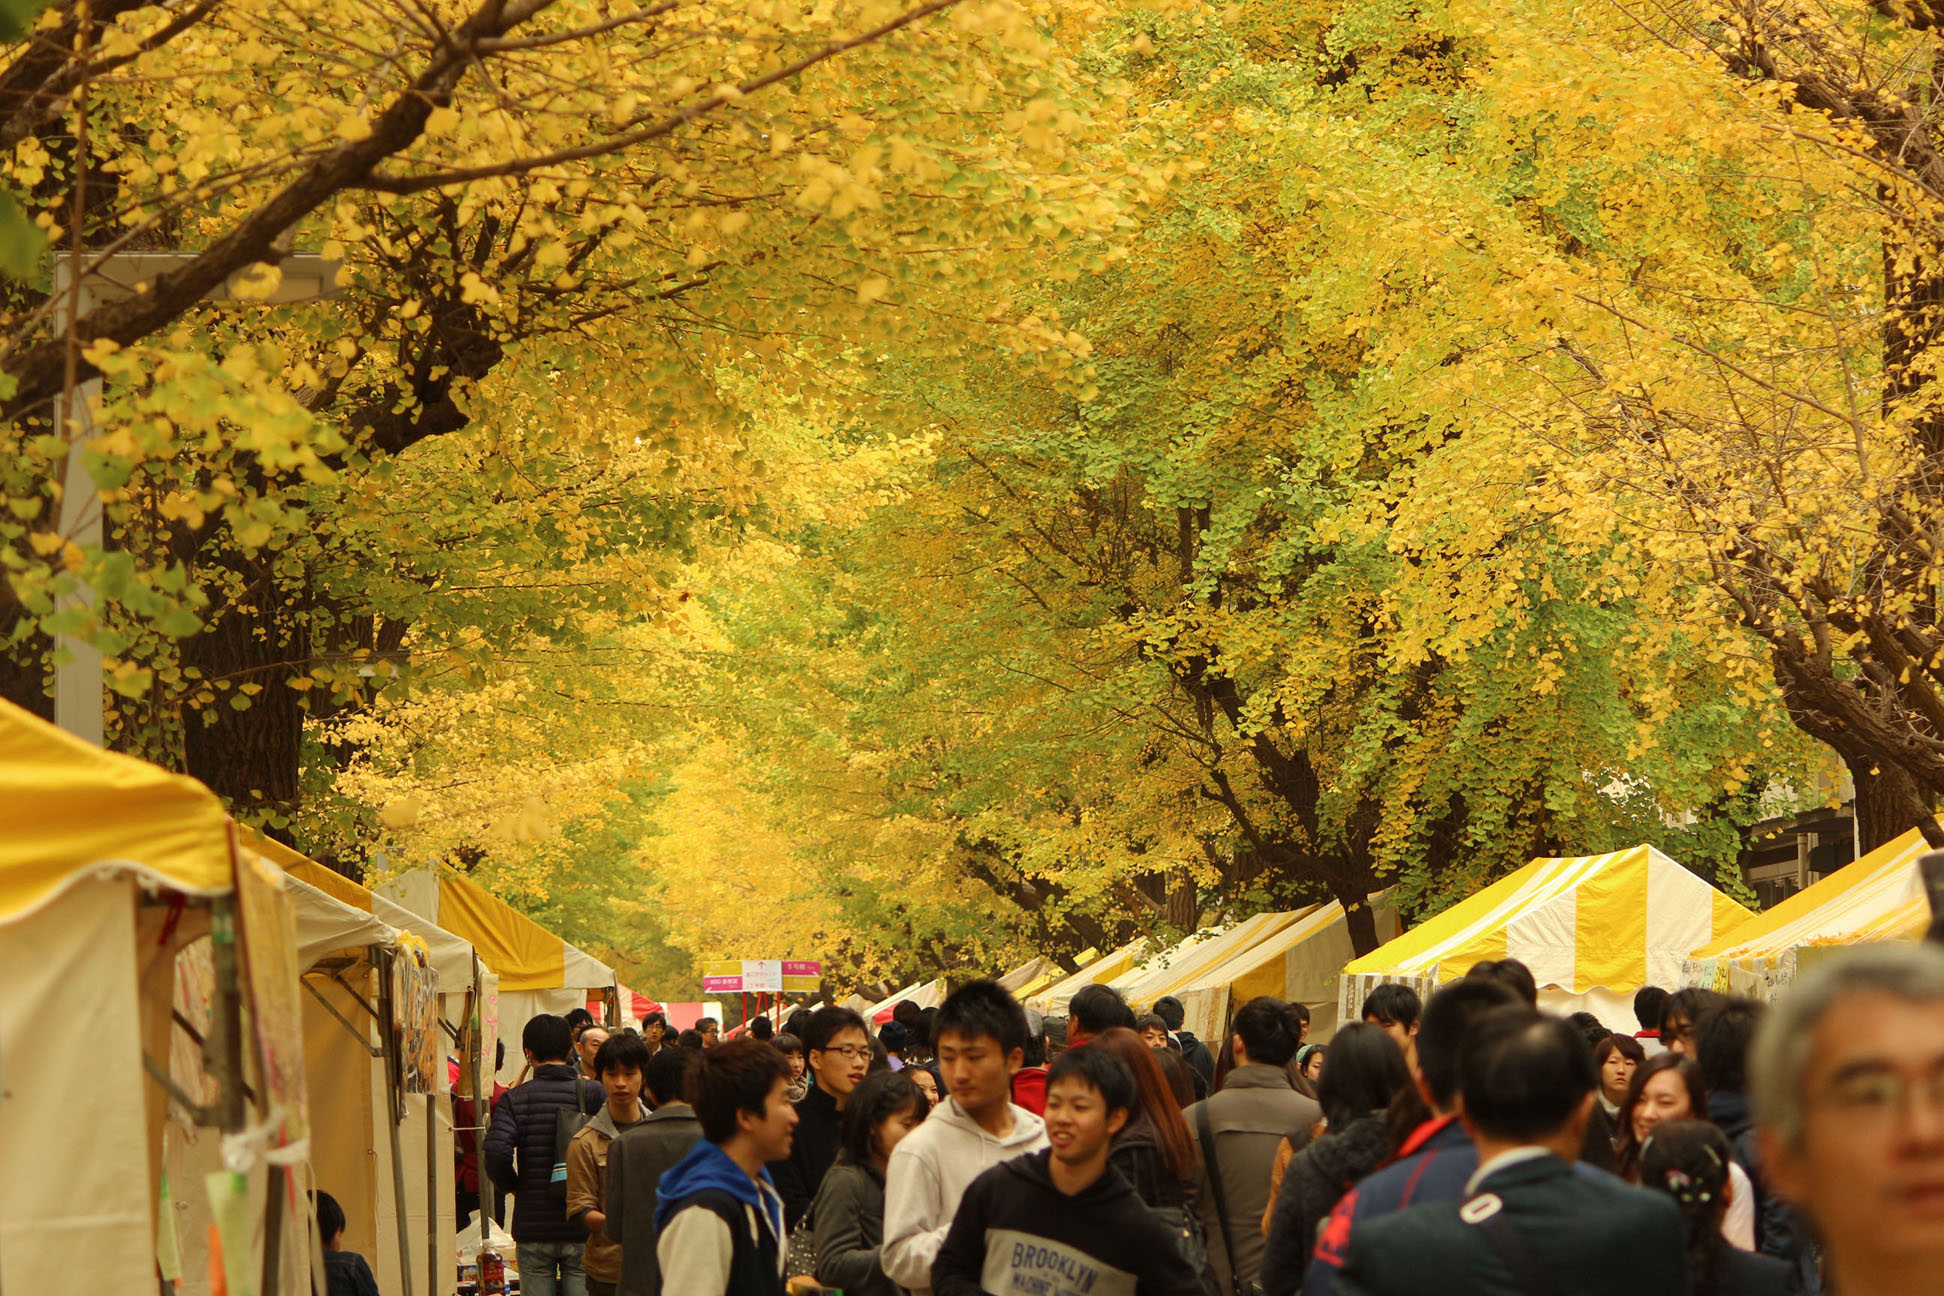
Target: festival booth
[1877, 898]
[926, 994]
[139, 955]
[1593, 929]
[1030, 977]
[1301, 963]
[1052, 1001]
[392, 1138]
[538, 971]
[1161, 974]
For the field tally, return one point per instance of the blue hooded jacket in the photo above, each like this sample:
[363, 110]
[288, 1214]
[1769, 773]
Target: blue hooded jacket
[707, 1168]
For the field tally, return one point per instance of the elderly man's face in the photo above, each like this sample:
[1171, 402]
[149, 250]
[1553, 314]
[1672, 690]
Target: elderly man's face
[1870, 1166]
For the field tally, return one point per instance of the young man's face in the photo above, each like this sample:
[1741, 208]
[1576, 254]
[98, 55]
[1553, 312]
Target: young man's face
[1677, 1034]
[652, 1032]
[711, 1034]
[775, 1130]
[623, 1086]
[1079, 1123]
[841, 1064]
[1396, 1030]
[978, 1072]
[1869, 1169]
[1155, 1037]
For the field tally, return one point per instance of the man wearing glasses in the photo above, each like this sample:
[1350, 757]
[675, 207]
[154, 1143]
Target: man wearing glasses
[1849, 1096]
[838, 1052]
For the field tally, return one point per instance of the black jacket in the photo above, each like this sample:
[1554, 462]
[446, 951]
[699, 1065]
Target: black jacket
[819, 1133]
[849, 1219]
[1592, 1236]
[1316, 1179]
[1015, 1231]
[1779, 1231]
[636, 1161]
[519, 1150]
[1744, 1273]
[1138, 1155]
[1199, 1059]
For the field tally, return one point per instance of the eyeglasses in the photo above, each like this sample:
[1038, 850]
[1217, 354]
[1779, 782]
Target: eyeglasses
[849, 1052]
[1876, 1094]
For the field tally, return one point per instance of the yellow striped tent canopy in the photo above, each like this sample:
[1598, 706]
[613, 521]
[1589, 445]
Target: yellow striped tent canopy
[1099, 970]
[1878, 898]
[1301, 963]
[1164, 973]
[1593, 929]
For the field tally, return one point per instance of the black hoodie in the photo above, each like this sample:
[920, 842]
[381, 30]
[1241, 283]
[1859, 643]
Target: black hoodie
[1016, 1232]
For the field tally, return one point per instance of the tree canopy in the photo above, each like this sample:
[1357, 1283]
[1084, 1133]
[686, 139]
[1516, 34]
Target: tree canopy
[929, 484]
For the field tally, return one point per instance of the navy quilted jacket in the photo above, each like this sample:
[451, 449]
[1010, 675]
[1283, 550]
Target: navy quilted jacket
[520, 1151]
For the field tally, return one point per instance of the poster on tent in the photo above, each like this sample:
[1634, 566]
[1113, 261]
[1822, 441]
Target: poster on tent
[415, 1004]
[269, 943]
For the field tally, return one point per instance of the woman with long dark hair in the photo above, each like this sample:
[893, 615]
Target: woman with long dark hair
[1365, 1071]
[1153, 1151]
[1668, 1087]
[848, 1215]
[1689, 1161]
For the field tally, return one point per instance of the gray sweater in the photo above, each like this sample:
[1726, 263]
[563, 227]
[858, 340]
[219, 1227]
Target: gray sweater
[848, 1220]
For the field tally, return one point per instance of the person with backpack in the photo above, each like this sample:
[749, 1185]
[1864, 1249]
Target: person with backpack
[521, 1151]
[638, 1159]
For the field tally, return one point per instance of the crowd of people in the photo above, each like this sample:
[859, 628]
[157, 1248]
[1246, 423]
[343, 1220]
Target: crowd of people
[1465, 1144]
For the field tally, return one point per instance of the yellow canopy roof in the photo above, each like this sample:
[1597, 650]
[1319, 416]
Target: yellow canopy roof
[525, 955]
[1054, 998]
[1263, 968]
[1879, 897]
[70, 808]
[1620, 920]
[1163, 973]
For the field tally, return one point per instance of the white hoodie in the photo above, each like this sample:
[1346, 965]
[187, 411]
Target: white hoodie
[930, 1170]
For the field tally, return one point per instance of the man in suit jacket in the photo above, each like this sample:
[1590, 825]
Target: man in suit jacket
[636, 1162]
[1527, 1085]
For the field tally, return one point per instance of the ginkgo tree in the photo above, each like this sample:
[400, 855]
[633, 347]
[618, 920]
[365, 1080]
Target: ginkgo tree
[542, 209]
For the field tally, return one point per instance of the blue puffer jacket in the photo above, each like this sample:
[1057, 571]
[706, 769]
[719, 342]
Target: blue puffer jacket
[519, 1150]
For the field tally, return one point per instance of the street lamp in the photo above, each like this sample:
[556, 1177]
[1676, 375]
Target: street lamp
[80, 692]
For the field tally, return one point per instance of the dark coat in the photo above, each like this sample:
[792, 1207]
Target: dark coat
[519, 1150]
[819, 1133]
[1199, 1059]
[636, 1162]
[1592, 1236]
[1317, 1178]
[849, 1220]
[1432, 1166]
[1597, 1150]
[1779, 1231]
[1138, 1155]
[1744, 1273]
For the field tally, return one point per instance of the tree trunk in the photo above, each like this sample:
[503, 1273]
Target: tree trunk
[1888, 805]
[250, 758]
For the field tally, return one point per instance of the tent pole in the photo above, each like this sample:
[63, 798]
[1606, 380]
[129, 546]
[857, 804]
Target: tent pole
[225, 1044]
[482, 1109]
[432, 1229]
[395, 1113]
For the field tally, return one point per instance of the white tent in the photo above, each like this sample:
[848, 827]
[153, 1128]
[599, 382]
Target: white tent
[538, 971]
[119, 887]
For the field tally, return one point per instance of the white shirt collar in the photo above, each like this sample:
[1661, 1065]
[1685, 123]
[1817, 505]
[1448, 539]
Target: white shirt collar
[1504, 1160]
